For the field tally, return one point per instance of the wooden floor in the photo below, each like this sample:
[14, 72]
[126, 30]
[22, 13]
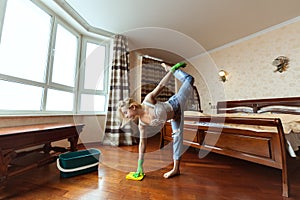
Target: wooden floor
[213, 177]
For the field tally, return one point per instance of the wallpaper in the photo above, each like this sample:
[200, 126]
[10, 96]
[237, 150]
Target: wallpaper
[250, 69]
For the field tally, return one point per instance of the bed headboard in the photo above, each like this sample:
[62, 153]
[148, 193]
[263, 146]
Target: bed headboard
[288, 105]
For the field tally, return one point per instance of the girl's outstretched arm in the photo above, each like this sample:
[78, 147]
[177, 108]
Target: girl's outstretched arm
[157, 90]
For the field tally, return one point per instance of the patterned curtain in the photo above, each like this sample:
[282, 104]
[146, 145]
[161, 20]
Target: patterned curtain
[152, 73]
[119, 90]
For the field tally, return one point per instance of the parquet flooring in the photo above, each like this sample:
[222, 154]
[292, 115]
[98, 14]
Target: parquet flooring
[213, 177]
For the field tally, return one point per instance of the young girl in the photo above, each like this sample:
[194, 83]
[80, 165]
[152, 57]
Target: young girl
[153, 115]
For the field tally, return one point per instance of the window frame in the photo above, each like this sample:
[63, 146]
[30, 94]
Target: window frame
[81, 90]
[2, 14]
[49, 84]
[77, 90]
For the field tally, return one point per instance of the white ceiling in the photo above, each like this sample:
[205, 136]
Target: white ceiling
[185, 27]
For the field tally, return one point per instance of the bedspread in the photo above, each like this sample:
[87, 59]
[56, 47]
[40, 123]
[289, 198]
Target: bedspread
[290, 124]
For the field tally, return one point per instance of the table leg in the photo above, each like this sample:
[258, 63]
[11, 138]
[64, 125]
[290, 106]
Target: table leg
[5, 158]
[47, 147]
[73, 143]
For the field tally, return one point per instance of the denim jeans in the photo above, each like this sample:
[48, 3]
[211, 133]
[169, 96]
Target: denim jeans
[178, 102]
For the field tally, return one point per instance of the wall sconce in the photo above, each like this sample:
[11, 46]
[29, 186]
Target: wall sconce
[223, 75]
[281, 63]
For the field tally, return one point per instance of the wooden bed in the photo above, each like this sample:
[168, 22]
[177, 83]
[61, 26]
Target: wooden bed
[246, 129]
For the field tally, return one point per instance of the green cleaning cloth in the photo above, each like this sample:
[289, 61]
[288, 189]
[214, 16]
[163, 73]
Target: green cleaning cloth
[135, 176]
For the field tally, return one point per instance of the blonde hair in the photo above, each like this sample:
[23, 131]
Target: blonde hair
[127, 103]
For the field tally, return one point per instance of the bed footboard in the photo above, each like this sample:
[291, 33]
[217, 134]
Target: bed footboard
[210, 134]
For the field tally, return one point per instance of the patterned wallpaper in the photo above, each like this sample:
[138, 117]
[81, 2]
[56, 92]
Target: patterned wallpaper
[249, 64]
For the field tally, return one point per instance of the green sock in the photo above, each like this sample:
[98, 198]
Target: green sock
[140, 167]
[177, 66]
[139, 170]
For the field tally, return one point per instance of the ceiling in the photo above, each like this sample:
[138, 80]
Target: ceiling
[184, 27]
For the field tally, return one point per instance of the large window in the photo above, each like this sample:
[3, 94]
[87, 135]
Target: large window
[15, 96]
[65, 57]
[41, 63]
[64, 53]
[94, 77]
[24, 46]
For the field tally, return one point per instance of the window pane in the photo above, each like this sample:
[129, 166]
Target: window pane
[24, 40]
[64, 63]
[92, 102]
[94, 67]
[16, 96]
[59, 101]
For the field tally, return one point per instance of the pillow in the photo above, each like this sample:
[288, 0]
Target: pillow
[279, 109]
[242, 109]
[193, 113]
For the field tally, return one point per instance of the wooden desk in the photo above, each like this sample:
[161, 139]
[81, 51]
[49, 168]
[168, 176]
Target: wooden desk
[21, 137]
